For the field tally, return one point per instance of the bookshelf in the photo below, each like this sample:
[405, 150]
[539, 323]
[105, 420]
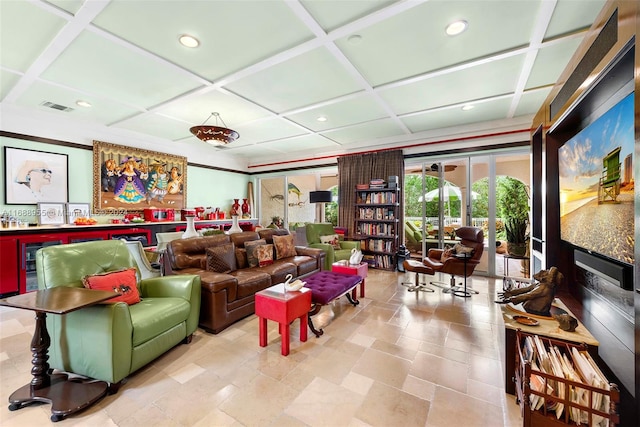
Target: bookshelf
[376, 226]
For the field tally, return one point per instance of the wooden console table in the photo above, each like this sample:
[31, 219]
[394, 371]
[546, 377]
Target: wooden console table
[66, 397]
[548, 327]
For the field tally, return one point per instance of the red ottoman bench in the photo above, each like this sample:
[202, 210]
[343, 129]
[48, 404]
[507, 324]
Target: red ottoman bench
[327, 286]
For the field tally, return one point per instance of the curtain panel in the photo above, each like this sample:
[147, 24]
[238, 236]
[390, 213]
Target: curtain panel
[361, 169]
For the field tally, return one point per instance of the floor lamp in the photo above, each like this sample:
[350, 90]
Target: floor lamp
[321, 197]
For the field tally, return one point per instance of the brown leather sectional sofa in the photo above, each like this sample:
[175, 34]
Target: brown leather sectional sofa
[228, 297]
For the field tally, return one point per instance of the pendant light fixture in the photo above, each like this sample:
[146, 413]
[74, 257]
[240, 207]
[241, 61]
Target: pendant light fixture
[215, 134]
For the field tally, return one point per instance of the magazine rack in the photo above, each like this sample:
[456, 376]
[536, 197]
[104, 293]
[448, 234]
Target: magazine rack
[547, 417]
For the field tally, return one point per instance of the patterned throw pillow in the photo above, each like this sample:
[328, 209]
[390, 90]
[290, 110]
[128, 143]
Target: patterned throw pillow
[250, 246]
[264, 254]
[447, 253]
[462, 249]
[221, 258]
[121, 281]
[332, 240]
[285, 246]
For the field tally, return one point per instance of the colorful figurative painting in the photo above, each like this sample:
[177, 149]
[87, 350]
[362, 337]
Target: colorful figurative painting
[129, 179]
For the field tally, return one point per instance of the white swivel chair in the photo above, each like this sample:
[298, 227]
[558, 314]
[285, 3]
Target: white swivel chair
[144, 266]
[161, 244]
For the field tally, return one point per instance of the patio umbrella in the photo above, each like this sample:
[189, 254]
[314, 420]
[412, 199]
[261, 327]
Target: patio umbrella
[451, 193]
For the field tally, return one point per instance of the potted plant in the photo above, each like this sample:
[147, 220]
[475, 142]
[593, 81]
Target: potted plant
[276, 222]
[513, 200]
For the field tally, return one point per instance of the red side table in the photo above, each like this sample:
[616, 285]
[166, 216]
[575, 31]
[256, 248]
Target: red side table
[354, 270]
[276, 304]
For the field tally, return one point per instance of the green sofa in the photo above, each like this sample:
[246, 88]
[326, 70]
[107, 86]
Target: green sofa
[110, 341]
[315, 230]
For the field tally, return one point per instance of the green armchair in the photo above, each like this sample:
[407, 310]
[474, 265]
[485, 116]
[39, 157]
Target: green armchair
[315, 230]
[110, 341]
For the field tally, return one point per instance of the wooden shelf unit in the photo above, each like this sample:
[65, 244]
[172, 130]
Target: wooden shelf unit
[377, 226]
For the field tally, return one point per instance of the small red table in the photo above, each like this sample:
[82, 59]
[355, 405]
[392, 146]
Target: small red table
[282, 306]
[354, 270]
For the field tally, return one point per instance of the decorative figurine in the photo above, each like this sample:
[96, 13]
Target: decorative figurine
[295, 286]
[536, 298]
[566, 322]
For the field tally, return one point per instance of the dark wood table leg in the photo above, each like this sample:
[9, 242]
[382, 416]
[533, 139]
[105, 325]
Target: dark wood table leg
[351, 299]
[65, 396]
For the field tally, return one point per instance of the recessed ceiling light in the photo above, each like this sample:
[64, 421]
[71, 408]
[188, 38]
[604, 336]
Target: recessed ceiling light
[189, 41]
[322, 119]
[354, 39]
[456, 27]
[82, 103]
[467, 107]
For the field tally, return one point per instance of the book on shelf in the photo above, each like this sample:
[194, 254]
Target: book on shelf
[378, 198]
[376, 229]
[379, 214]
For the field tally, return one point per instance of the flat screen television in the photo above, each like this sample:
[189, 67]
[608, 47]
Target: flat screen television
[597, 185]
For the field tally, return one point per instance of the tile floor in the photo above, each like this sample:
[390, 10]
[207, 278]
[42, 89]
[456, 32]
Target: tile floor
[397, 359]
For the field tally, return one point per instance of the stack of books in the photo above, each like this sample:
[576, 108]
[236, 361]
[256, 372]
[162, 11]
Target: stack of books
[377, 184]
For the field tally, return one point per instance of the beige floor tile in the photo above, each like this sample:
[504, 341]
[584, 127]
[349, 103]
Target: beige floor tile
[419, 387]
[215, 418]
[435, 334]
[456, 344]
[12, 327]
[452, 408]
[445, 372]
[187, 372]
[259, 402]
[446, 352]
[330, 364]
[389, 406]
[383, 367]
[357, 383]
[325, 403]
[486, 370]
[395, 349]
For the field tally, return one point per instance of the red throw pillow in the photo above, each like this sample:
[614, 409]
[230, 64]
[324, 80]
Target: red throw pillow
[122, 281]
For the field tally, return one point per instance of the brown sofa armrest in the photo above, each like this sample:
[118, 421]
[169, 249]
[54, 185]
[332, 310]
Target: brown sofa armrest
[216, 282]
[318, 254]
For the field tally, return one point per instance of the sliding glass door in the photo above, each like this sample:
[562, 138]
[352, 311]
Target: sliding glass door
[442, 194]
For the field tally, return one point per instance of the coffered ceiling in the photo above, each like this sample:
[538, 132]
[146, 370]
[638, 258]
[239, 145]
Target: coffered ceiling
[382, 73]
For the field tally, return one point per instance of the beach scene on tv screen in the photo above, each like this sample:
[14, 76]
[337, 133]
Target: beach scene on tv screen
[597, 185]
